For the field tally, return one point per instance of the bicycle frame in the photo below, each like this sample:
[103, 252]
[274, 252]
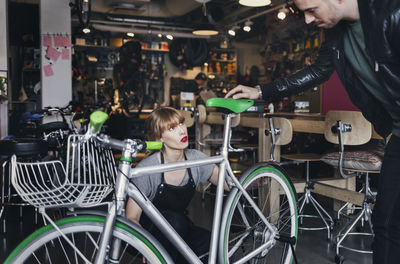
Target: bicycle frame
[123, 188]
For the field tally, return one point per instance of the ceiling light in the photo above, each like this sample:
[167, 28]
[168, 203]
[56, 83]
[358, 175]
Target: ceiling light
[205, 30]
[247, 26]
[255, 3]
[130, 34]
[282, 13]
[232, 31]
[170, 37]
[86, 30]
[159, 35]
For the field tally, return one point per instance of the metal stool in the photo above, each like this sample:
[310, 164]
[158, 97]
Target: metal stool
[351, 128]
[26, 149]
[307, 197]
[281, 132]
[364, 216]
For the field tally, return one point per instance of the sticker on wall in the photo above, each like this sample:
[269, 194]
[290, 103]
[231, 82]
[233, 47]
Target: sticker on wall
[48, 70]
[52, 54]
[65, 54]
[47, 41]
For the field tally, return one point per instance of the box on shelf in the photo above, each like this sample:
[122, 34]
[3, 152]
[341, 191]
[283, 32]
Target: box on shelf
[116, 42]
[80, 41]
[187, 99]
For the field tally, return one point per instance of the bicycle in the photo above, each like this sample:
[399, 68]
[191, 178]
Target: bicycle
[259, 222]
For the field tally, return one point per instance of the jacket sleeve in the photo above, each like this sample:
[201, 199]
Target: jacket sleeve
[306, 78]
[393, 31]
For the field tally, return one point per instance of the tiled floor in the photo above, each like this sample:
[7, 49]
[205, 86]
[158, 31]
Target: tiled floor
[313, 246]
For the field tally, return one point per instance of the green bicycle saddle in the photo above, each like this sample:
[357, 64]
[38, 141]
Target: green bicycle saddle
[237, 106]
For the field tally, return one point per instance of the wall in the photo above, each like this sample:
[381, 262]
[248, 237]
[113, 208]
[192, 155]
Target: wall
[334, 96]
[3, 65]
[55, 17]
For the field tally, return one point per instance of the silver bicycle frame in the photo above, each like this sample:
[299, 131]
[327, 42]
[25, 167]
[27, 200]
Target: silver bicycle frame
[123, 188]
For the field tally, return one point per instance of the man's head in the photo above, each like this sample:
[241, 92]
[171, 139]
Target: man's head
[327, 13]
[200, 78]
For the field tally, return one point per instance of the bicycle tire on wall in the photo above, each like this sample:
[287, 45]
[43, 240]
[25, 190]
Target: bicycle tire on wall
[235, 232]
[84, 231]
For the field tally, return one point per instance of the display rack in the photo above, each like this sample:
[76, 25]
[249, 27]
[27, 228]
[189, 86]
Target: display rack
[222, 67]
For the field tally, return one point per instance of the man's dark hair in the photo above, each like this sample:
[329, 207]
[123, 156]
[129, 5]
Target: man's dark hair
[201, 76]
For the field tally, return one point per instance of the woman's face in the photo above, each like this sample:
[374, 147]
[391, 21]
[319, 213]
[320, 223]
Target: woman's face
[175, 137]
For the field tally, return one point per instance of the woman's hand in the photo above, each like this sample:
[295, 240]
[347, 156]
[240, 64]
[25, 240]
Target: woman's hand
[242, 91]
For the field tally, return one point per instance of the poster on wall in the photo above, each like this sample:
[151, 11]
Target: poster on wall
[56, 47]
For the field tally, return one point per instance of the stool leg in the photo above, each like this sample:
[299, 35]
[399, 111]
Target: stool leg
[316, 205]
[360, 214]
[322, 213]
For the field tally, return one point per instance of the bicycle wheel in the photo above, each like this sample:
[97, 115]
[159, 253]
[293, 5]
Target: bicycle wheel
[46, 245]
[243, 231]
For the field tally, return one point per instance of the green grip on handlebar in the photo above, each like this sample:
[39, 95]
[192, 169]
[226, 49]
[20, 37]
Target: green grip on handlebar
[153, 145]
[97, 119]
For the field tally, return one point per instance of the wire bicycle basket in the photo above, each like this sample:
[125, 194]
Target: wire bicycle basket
[88, 178]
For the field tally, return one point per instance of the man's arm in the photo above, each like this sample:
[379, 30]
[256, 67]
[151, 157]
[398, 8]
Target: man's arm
[307, 78]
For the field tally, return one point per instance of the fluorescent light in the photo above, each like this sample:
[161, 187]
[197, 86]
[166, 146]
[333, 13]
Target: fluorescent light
[231, 32]
[130, 34]
[255, 3]
[170, 37]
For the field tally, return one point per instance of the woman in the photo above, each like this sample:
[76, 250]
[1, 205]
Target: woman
[171, 192]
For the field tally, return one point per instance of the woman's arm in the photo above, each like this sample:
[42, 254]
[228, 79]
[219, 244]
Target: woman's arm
[133, 211]
[214, 178]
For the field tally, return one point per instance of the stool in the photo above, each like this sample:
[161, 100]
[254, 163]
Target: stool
[25, 149]
[351, 128]
[307, 197]
[281, 133]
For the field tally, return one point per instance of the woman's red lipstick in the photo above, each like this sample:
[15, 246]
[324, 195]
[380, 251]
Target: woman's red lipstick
[184, 139]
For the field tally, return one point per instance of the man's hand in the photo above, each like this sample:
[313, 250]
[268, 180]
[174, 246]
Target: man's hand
[242, 91]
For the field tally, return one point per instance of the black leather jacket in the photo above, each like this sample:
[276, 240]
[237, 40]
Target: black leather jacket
[380, 21]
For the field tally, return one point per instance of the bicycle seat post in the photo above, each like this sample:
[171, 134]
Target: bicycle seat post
[220, 190]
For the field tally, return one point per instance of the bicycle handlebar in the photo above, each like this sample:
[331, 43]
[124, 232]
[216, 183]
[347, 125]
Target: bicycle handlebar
[98, 118]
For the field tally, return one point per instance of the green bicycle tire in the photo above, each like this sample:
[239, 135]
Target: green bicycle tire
[231, 252]
[85, 231]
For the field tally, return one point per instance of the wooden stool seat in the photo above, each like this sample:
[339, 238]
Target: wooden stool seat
[302, 157]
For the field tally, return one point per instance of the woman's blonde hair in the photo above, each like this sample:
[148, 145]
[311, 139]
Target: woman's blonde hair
[162, 119]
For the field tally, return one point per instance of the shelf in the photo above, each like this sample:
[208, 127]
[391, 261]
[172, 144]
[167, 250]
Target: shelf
[216, 60]
[221, 73]
[223, 50]
[93, 47]
[157, 50]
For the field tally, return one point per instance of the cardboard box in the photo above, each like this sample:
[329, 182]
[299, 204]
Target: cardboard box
[80, 41]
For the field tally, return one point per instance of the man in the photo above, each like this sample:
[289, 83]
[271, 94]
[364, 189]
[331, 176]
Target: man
[363, 45]
[204, 92]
